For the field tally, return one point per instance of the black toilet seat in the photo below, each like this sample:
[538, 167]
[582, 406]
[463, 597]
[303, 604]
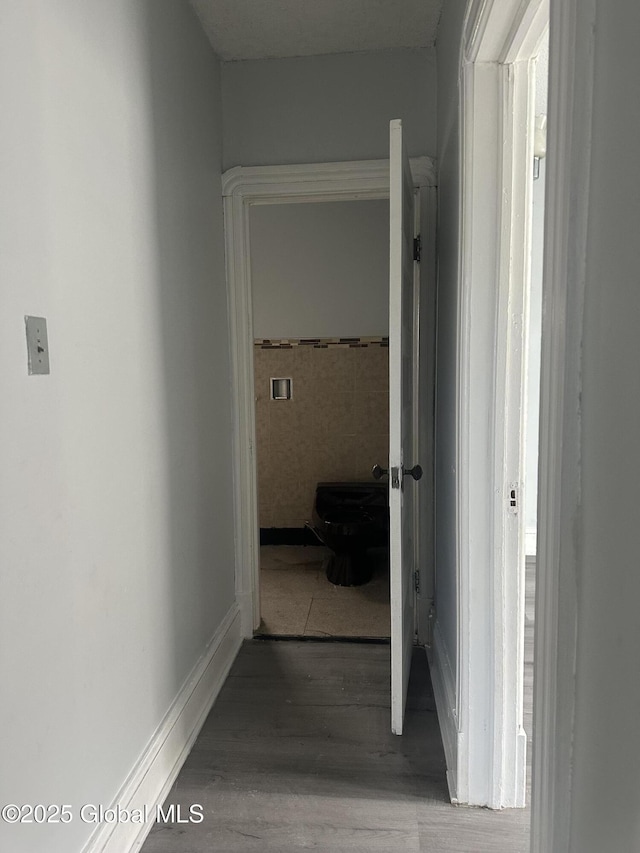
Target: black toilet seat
[349, 518]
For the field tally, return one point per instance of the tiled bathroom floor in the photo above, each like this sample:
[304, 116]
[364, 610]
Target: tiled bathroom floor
[297, 599]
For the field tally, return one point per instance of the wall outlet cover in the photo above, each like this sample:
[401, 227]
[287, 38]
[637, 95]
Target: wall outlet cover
[37, 345]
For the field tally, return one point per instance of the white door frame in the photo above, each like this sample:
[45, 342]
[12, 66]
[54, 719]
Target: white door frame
[485, 737]
[243, 187]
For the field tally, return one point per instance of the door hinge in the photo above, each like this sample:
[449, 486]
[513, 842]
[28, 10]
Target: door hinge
[417, 248]
[416, 580]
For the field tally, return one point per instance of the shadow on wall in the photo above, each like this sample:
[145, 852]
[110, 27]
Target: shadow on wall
[335, 427]
[196, 567]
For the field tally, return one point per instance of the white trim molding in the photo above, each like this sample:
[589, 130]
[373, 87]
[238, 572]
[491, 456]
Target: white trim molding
[154, 773]
[531, 541]
[242, 187]
[444, 691]
[497, 59]
[345, 177]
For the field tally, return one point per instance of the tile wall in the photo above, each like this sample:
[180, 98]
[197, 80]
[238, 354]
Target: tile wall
[334, 428]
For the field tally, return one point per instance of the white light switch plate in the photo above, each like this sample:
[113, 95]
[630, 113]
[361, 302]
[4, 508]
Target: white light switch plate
[37, 345]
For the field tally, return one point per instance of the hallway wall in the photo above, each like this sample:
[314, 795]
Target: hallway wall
[320, 270]
[448, 55]
[316, 109]
[116, 544]
[599, 557]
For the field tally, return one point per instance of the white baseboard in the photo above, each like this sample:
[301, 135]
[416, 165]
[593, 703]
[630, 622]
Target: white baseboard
[245, 606]
[444, 689]
[530, 541]
[155, 771]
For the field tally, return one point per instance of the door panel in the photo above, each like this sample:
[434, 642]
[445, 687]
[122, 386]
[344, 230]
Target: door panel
[402, 485]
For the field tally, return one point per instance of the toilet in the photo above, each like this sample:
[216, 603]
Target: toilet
[350, 518]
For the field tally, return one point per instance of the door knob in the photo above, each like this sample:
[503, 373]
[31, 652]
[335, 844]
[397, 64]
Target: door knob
[378, 472]
[415, 472]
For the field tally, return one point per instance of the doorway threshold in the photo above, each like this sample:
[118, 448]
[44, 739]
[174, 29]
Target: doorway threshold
[378, 641]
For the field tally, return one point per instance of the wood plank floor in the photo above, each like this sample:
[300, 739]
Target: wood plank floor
[297, 754]
[529, 626]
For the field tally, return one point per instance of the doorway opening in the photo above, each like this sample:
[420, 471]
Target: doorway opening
[248, 188]
[320, 297]
[532, 384]
[479, 654]
[410, 188]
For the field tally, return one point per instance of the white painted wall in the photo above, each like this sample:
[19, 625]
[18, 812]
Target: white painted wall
[116, 549]
[602, 788]
[327, 108]
[448, 55]
[320, 270]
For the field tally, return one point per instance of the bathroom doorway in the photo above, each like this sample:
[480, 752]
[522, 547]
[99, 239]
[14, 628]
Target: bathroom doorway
[319, 274]
[247, 188]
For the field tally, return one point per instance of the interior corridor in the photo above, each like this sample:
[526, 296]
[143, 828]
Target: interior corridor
[297, 753]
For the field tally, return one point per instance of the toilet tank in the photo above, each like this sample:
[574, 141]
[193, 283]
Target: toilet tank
[374, 497]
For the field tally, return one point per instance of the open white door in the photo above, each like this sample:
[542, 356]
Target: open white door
[403, 470]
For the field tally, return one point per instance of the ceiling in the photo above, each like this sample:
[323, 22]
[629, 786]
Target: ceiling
[267, 29]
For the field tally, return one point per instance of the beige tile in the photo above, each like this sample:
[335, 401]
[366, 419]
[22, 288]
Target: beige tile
[270, 556]
[337, 414]
[286, 419]
[310, 493]
[294, 515]
[261, 387]
[306, 450]
[291, 517]
[312, 438]
[372, 450]
[268, 364]
[275, 362]
[333, 461]
[291, 585]
[333, 370]
[263, 461]
[262, 425]
[372, 369]
[289, 497]
[304, 358]
[372, 412]
[289, 449]
[287, 441]
[376, 591]
[283, 616]
[308, 461]
[308, 503]
[290, 486]
[285, 464]
[266, 508]
[260, 369]
[265, 484]
[340, 617]
[303, 384]
[296, 596]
